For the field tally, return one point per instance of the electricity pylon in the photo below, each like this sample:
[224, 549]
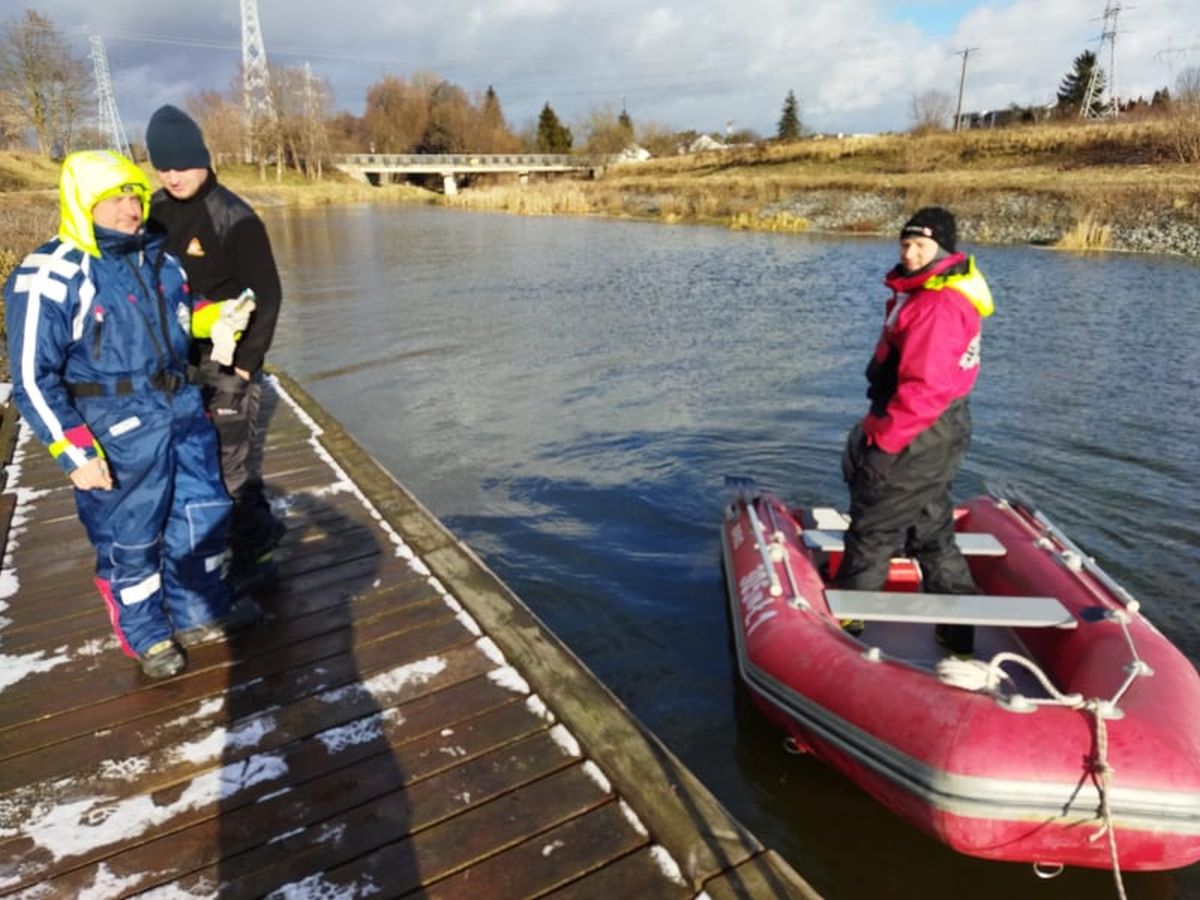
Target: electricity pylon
[1094, 89]
[257, 108]
[108, 120]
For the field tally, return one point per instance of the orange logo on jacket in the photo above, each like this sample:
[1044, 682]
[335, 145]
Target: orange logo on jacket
[194, 248]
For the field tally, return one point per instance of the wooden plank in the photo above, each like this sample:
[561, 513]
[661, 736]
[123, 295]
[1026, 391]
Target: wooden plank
[292, 670]
[333, 804]
[167, 726]
[766, 875]
[419, 858]
[639, 874]
[675, 807]
[550, 859]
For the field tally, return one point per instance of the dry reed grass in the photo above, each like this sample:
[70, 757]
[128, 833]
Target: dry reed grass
[546, 199]
[1087, 234]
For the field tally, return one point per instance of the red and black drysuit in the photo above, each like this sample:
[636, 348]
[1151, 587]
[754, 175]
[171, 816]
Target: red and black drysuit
[901, 458]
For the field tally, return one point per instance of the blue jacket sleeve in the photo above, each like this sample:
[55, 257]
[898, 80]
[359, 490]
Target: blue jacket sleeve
[43, 296]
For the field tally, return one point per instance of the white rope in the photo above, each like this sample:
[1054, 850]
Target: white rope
[1104, 773]
[985, 676]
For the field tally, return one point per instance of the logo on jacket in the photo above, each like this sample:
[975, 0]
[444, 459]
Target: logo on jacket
[194, 248]
[184, 314]
[970, 357]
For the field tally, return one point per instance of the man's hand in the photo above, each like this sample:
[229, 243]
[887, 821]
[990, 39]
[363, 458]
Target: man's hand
[92, 475]
[241, 373]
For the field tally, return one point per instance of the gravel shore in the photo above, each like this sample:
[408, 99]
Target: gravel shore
[1005, 218]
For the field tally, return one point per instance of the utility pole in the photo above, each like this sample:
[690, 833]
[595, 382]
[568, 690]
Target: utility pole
[962, 80]
[108, 119]
[1107, 36]
[257, 109]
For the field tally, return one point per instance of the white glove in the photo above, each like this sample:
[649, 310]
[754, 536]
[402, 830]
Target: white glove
[236, 313]
[224, 341]
[228, 328]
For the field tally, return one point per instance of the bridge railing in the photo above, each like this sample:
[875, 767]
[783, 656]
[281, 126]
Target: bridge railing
[466, 160]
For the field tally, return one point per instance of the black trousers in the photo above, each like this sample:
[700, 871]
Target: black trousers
[908, 511]
[233, 404]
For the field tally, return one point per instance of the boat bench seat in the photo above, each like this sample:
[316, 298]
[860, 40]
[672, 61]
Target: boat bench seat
[950, 609]
[971, 543]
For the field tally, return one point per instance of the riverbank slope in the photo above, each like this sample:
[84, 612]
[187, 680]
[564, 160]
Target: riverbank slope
[1132, 186]
[1109, 186]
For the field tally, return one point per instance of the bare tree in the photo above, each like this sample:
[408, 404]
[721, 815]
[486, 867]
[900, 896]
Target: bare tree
[49, 83]
[12, 120]
[1187, 87]
[396, 116]
[301, 100]
[931, 111]
[604, 131]
[220, 118]
[1185, 115]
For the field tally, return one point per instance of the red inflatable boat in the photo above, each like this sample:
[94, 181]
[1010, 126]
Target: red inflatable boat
[1072, 738]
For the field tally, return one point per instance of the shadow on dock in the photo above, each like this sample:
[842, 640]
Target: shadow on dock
[400, 725]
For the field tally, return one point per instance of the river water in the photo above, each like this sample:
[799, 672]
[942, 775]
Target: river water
[568, 395]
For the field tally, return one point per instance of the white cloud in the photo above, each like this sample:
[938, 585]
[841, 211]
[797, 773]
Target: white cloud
[855, 66]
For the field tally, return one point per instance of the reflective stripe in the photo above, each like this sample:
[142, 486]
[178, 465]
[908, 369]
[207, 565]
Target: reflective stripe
[141, 591]
[29, 349]
[43, 285]
[54, 262]
[87, 292]
[125, 425]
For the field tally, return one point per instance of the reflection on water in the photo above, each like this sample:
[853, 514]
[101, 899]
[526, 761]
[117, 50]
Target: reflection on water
[567, 394]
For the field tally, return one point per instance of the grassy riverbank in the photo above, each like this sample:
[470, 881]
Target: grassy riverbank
[1076, 186]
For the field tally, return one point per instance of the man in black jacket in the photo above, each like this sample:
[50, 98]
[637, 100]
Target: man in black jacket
[224, 249]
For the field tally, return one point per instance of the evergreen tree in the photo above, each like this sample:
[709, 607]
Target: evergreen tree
[789, 121]
[626, 122]
[552, 135]
[1074, 86]
[491, 116]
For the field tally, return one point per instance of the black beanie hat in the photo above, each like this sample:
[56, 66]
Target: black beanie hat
[933, 222]
[174, 141]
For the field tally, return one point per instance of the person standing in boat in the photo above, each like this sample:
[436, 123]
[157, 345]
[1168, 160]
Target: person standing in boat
[224, 248]
[901, 458]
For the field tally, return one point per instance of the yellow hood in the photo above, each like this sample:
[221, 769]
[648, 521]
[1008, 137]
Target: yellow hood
[88, 177]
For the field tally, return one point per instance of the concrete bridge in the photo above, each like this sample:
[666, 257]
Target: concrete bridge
[376, 168]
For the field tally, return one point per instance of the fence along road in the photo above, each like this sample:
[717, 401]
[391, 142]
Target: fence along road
[379, 168]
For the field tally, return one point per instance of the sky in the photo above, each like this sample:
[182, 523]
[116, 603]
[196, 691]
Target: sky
[710, 65]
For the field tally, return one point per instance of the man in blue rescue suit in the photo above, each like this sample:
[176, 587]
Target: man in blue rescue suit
[901, 458]
[99, 324]
[224, 247]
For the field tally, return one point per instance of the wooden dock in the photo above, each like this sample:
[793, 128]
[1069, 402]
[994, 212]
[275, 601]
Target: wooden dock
[402, 725]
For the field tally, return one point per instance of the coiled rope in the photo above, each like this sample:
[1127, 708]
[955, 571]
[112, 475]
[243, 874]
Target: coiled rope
[987, 675]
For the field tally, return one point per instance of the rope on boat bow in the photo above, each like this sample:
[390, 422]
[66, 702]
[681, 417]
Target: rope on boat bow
[986, 676]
